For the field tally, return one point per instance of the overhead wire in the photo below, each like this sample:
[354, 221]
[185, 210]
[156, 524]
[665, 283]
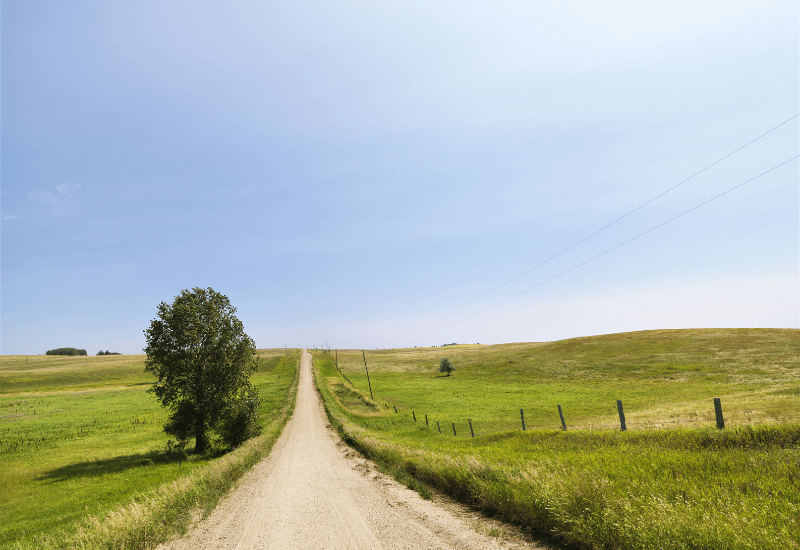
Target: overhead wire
[597, 231]
[609, 250]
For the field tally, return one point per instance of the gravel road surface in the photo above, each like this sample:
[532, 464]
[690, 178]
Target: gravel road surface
[313, 491]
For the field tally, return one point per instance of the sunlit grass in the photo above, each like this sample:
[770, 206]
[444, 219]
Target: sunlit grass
[672, 481]
[21, 374]
[68, 453]
[664, 378]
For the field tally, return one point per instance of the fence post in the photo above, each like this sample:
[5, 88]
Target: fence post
[522, 416]
[438, 427]
[426, 420]
[414, 415]
[561, 414]
[368, 382]
[718, 412]
[454, 428]
[470, 429]
[621, 416]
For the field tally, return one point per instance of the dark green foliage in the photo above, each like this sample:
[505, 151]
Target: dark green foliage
[66, 351]
[101, 352]
[446, 366]
[239, 419]
[177, 449]
[203, 360]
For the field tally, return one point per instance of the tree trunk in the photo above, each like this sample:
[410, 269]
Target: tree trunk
[200, 437]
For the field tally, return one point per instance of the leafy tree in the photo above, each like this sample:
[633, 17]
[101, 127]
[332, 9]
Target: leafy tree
[203, 360]
[446, 366]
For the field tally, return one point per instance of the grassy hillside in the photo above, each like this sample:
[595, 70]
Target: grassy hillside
[671, 481]
[23, 374]
[665, 378]
[80, 436]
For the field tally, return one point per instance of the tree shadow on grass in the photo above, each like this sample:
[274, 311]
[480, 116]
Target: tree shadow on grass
[118, 464]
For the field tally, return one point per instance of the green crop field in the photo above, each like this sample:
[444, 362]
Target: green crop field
[80, 436]
[672, 480]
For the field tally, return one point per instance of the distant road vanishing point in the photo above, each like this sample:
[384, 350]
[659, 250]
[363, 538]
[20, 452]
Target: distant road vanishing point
[314, 492]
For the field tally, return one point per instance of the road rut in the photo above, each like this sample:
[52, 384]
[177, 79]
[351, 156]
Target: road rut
[313, 491]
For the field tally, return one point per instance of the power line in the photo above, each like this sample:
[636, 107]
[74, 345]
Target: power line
[611, 249]
[600, 230]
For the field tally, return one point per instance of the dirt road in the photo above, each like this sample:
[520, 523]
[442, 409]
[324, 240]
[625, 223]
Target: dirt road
[314, 492]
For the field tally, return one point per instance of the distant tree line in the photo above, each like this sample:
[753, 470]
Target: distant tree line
[101, 352]
[66, 351]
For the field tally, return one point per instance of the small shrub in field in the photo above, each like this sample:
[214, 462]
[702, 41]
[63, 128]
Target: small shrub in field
[446, 366]
[178, 449]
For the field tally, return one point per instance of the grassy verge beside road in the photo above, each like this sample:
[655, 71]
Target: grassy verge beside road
[75, 462]
[687, 486]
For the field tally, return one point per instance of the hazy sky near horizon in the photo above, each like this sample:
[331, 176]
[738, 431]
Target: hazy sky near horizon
[356, 172]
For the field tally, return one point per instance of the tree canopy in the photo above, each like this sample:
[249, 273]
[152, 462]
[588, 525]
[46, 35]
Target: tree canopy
[66, 351]
[203, 360]
[446, 366]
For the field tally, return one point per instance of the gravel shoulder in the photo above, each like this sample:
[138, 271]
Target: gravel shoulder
[313, 491]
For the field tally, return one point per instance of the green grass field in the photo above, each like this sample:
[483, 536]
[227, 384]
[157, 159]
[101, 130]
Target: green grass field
[673, 480]
[80, 436]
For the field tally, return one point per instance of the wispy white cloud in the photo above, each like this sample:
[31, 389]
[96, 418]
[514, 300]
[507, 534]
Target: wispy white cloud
[66, 189]
[10, 217]
[58, 199]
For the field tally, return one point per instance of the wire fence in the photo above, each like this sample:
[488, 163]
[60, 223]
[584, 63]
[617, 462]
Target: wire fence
[634, 415]
[630, 420]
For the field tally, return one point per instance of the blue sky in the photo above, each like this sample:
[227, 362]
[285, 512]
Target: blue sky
[355, 172]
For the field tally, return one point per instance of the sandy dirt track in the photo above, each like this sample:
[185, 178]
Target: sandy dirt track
[315, 492]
